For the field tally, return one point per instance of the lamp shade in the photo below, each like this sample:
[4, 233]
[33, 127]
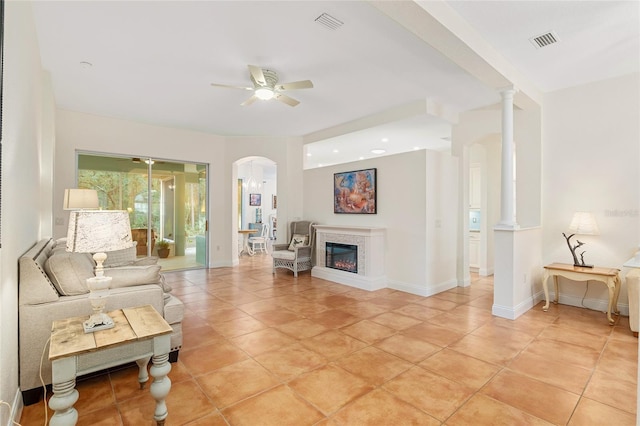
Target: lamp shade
[77, 199]
[584, 223]
[92, 231]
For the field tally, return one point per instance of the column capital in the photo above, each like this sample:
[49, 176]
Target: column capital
[508, 91]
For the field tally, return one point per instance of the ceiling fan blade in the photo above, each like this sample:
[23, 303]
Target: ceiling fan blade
[286, 99]
[303, 84]
[249, 101]
[227, 86]
[258, 75]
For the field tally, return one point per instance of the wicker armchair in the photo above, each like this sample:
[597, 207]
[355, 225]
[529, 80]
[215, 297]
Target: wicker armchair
[297, 255]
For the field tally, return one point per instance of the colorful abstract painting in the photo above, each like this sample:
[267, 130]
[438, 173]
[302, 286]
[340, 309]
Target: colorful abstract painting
[355, 192]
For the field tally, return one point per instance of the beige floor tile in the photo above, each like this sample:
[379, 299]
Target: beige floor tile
[565, 352]
[290, 361]
[330, 387]
[461, 368]
[333, 344]
[416, 311]
[368, 331]
[186, 402]
[546, 369]
[374, 365]
[205, 359]
[335, 318]
[262, 341]
[433, 394]
[278, 406]
[408, 348]
[395, 320]
[482, 410]
[589, 412]
[301, 329]
[238, 327]
[236, 382]
[494, 351]
[612, 391]
[542, 400]
[381, 408]
[276, 317]
[441, 336]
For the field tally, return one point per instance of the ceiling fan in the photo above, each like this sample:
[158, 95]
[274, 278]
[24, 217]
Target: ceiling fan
[266, 86]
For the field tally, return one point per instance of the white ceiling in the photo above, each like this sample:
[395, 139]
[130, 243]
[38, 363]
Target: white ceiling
[154, 61]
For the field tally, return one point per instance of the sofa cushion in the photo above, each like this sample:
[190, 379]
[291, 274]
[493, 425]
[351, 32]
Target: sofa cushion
[69, 272]
[121, 257]
[126, 276]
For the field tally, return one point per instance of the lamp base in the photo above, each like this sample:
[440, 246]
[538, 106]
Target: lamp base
[97, 322]
[583, 266]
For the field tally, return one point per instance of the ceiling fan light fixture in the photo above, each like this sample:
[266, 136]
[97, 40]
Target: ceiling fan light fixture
[264, 93]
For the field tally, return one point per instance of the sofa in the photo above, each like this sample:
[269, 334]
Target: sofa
[52, 286]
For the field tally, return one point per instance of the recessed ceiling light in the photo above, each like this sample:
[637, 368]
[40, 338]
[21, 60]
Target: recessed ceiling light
[335, 151]
[415, 148]
[361, 158]
[378, 151]
[385, 139]
[308, 154]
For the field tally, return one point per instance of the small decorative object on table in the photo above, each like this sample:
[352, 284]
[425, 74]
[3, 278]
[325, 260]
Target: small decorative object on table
[163, 248]
[585, 224]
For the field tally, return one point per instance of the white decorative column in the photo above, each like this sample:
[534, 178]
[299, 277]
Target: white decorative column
[508, 194]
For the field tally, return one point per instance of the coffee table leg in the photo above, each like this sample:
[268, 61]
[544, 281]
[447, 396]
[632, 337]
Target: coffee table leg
[143, 376]
[64, 392]
[161, 386]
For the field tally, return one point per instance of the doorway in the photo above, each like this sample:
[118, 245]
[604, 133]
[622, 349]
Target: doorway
[166, 201]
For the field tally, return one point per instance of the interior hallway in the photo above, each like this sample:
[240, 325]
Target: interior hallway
[274, 350]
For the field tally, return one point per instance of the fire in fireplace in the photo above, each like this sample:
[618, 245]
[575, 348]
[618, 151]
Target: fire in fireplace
[343, 257]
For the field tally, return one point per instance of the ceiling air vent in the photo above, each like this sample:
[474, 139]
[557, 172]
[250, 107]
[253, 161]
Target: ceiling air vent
[544, 40]
[329, 21]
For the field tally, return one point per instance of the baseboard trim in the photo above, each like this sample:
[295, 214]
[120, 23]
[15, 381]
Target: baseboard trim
[420, 290]
[593, 304]
[514, 312]
[16, 408]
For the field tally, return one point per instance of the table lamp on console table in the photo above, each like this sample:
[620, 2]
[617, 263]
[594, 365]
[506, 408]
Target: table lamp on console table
[582, 223]
[98, 231]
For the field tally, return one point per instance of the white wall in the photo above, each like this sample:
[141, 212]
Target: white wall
[27, 159]
[86, 132]
[417, 198]
[591, 162]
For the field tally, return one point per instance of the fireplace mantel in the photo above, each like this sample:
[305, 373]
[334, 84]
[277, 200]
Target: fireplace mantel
[370, 242]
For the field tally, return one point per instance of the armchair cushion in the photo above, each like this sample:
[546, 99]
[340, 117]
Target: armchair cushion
[284, 254]
[298, 240]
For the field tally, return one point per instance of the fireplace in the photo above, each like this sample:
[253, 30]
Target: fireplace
[360, 254]
[343, 257]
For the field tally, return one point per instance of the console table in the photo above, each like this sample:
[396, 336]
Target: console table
[609, 276]
[139, 333]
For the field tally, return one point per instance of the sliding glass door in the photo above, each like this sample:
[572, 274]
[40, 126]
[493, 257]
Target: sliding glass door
[166, 201]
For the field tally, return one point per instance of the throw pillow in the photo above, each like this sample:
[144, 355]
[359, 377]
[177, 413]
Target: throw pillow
[129, 276]
[121, 257]
[69, 272]
[298, 240]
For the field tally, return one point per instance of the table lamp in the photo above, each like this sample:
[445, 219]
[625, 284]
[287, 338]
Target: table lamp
[98, 231]
[582, 223]
[79, 199]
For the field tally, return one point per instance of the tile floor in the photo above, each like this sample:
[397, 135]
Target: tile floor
[261, 349]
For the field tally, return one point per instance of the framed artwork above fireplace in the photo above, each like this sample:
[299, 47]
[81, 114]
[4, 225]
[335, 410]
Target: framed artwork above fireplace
[355, 192]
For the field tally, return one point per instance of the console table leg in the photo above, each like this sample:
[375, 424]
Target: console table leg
[611, 296]
[64, 396]
[143, 376]
[161, 386]
[545, 287]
